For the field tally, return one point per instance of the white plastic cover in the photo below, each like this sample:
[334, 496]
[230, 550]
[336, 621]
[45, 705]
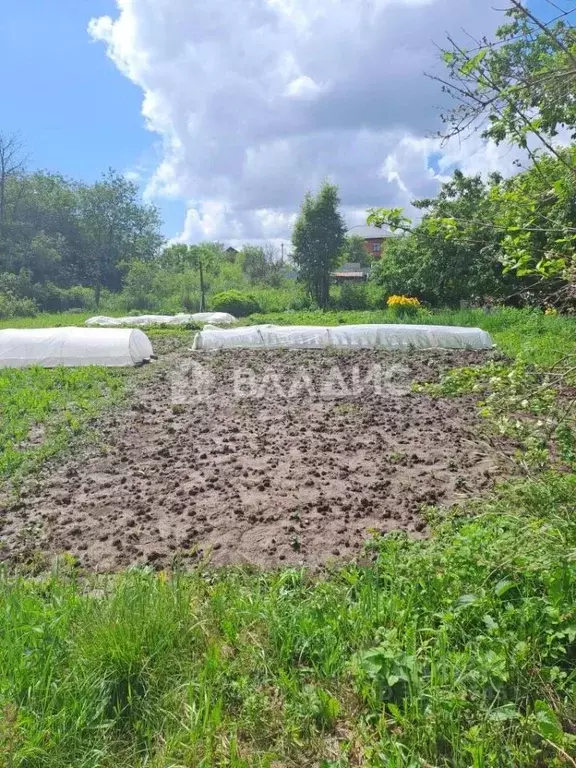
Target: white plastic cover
[216, 318]
[70, 347]
[344, 336]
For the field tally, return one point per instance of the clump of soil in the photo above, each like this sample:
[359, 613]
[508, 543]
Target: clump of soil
[284, 462]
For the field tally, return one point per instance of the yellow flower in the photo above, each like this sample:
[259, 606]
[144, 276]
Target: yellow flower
[550, 311]
[403, 301]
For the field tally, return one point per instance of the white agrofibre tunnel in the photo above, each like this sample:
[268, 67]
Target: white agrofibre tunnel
[214, 318]
[393, 336]
[72, 347]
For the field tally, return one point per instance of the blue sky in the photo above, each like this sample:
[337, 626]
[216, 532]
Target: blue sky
[78, 114]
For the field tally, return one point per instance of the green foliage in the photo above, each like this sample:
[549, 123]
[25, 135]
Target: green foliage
[41, 410]
[318, 239]
[46, 295]
[520, 85]
[10, 306]
[393, 218]
[519, 88]
[114, 226]
[291, 297]
[521, 402]
[454, 253]
[139, 284]
[350, 297]
[354, 252]
[262, 266]
[537, 211]
[236, 303]
[57, 235]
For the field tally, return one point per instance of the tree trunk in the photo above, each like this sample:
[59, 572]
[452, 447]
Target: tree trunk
[97, 292]
[202, 291]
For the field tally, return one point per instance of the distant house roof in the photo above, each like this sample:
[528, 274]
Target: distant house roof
[349, 275]
[350, 271]
[230, 249]
[368, 233]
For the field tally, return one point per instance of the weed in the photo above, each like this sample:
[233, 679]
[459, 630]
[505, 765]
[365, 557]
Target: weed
[43, 410]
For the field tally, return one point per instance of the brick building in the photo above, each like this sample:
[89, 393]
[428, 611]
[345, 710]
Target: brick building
[374, 239]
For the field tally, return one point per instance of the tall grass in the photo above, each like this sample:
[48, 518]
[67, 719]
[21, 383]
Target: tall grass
[457, 651]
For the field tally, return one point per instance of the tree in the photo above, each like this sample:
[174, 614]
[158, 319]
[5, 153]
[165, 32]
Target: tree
[42, 228]
[536, 212]
[12, 162]
[254, 263]
[201, 259]
[454, 252]
[354, 251]
[517, 87]
[262, 265]
[520, 88]
[115, 227]
[318, 239]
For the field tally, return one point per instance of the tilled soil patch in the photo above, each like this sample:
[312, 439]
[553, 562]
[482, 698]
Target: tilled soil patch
[285, 461]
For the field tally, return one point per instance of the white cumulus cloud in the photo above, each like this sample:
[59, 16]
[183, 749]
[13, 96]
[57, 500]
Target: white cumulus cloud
[257, 101]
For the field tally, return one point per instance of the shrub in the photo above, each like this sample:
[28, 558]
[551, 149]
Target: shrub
[301, 302]
[11, 306]
[236, 303]
[51, 298]
[350, 297]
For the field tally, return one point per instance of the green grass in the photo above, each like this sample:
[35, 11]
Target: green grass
[458, 651]
[538, 338]
[47, 320]
[43, 410]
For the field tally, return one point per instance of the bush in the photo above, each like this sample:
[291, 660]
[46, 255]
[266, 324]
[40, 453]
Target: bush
[349, 297]
[302, 302]
[236, 303]
[51, 298]
[10, 306]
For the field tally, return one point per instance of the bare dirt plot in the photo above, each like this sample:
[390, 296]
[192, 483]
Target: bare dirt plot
[260, 478]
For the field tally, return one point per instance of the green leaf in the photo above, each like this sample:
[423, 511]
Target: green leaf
[489, 621]
[465, 600]
[503, 586]
[506, 712]
[547, 722]
[473, 63]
